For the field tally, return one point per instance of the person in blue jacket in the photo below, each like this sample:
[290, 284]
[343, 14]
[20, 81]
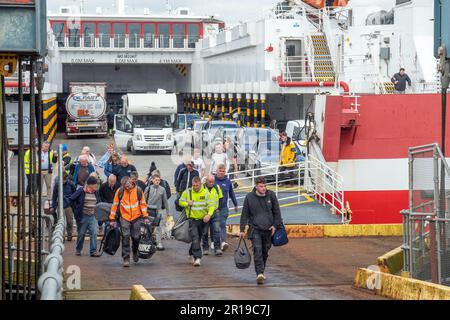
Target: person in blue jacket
[68, 189]
[82, 171]
[83, 203]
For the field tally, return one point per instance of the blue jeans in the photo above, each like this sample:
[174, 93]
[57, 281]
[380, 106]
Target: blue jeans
[224, 212]
[214, 229]
[87, 223]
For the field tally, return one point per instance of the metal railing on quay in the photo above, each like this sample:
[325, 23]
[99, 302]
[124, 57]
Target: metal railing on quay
[426, 223]
[50, 283]
[309, 177]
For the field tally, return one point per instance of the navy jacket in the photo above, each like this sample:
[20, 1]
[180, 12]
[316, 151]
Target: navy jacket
[227, 190]
[77, 203]
[77, 168]
[68, 189]
[177, 172]
[121, 172]
[183, 183]
[401, 81]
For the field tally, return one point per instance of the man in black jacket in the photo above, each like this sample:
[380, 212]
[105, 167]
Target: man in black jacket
[399, 80]
[262, 213]
[108, 189]
[185, 177]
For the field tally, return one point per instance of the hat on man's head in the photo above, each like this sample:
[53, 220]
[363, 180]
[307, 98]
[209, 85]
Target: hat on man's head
[92, 180]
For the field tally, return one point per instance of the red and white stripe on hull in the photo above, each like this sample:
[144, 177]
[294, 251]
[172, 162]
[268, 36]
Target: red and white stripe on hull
[373, 160]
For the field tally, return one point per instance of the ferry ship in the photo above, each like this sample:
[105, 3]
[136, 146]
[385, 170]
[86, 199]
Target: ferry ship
[297, 59]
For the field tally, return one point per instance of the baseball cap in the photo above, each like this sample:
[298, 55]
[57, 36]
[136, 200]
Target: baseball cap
[91, 181]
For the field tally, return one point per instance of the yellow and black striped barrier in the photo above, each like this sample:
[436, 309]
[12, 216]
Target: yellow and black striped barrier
[182, 68]
[50, 117]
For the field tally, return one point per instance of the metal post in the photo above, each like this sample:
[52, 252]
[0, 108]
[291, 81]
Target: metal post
[263, 110]
[216, 98]
[255, 110]
[230, 105]
[239, 99]
[203, 105]
[209, 106]
[222, 96]
[248, 99]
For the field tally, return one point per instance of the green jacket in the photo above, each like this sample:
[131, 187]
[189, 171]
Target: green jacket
[203, 203]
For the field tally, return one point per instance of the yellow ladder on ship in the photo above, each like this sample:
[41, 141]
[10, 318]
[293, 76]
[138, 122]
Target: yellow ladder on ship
[323, 65]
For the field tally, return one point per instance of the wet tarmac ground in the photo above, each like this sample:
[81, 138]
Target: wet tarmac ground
[305, 269]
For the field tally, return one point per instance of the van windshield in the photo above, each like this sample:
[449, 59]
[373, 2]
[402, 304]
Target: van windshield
[152, 122]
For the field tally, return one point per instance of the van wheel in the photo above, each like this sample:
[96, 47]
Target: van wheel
[133, 151]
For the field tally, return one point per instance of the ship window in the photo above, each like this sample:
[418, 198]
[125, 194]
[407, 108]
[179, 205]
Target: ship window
[104, 35]
[178, 35]
[134, 35]
[164, 35]
[58, 30]
[193, 35]
[119, 35]
[89, 35]
[149, 35]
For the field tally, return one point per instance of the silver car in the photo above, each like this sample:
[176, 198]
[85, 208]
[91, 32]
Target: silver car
[215, 131]
[246, 138]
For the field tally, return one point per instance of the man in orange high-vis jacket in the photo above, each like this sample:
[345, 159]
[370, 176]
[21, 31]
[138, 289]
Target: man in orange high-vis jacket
[133, 211]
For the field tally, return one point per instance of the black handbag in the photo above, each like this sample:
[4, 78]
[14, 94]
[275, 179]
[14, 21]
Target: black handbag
[180, 230]
[242, 256]
[146, 247]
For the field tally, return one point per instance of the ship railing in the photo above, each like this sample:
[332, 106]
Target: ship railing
[295, 182]
[129, 41]
[297, 68]
[51, 283]
[326, 185]
[426, 223]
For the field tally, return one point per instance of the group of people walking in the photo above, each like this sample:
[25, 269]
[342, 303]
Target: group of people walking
[206, 202]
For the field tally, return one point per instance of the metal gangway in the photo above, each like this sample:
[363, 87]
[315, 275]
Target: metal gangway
[311, 178]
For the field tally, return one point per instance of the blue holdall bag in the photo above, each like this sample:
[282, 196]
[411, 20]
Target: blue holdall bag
[280, 237]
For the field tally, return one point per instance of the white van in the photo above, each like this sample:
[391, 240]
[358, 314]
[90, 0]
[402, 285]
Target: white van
[147, 122]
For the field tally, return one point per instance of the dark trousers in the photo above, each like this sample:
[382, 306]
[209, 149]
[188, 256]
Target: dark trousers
[36, 180]
[214, 232]
[130, 229]
[261, 242]
[197, 228]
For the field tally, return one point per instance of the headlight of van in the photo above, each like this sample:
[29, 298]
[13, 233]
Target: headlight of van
[169, 136]
[138, 137]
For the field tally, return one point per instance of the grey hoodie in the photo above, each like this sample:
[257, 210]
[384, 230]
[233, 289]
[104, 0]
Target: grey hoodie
[156, 195]
[261, 213]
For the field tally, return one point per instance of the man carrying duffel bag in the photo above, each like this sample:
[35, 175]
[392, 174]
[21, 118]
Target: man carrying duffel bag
[200, 207]
[262, 213]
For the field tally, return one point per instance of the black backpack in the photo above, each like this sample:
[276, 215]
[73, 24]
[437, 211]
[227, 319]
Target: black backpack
[146, 247]
[111, 240]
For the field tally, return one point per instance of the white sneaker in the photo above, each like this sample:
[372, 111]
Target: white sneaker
[197, 263]
[260, 279]
[212, 246]
[191, 259]
[224, 246]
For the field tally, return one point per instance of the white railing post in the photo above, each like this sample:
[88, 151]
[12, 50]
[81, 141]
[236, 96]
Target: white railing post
[276, 179]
